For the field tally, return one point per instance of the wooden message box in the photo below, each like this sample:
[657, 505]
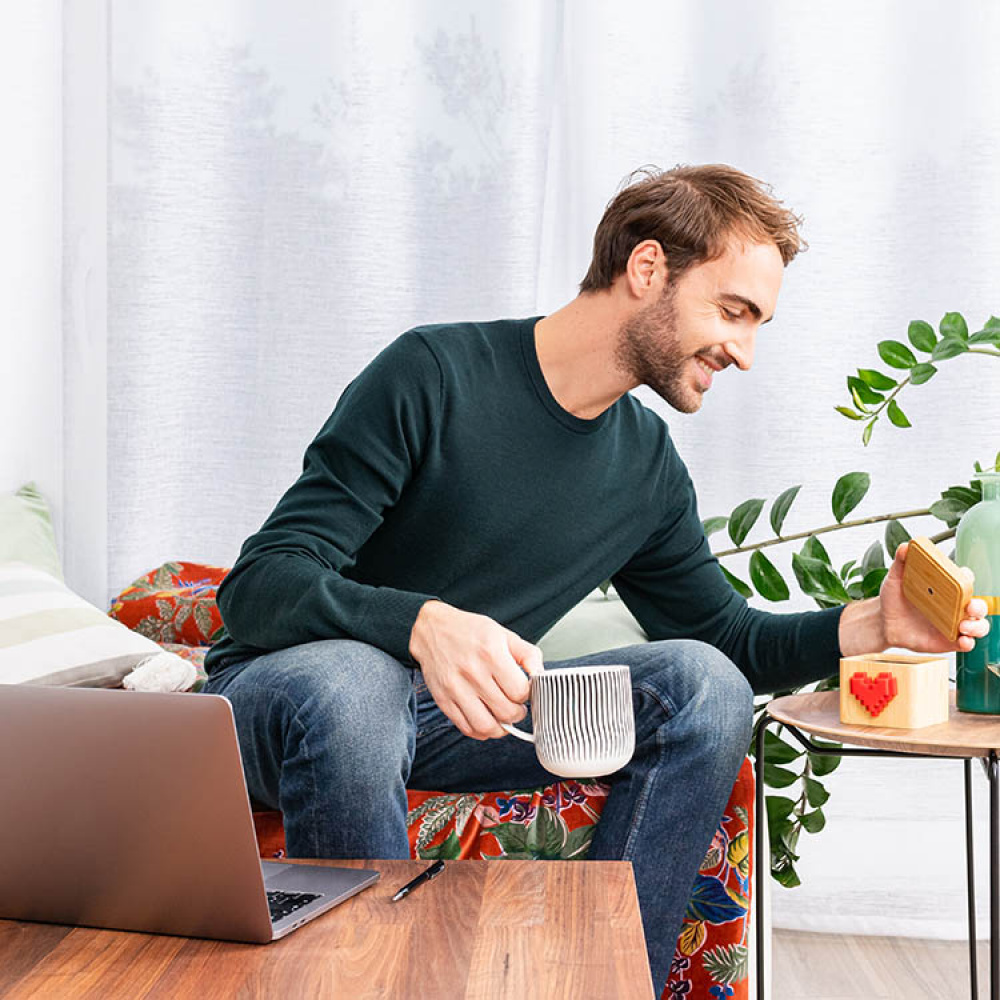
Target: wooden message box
[894, 690]
[936, 586]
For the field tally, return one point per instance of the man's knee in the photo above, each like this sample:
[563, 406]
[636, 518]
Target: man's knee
[705, 684]
[336, 696]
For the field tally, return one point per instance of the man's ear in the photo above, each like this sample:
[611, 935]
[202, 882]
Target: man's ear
[646, 271]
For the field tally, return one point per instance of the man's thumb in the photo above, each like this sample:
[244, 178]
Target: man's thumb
[528, 656]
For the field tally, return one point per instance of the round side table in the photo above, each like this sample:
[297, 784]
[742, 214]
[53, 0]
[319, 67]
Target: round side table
[963, 736]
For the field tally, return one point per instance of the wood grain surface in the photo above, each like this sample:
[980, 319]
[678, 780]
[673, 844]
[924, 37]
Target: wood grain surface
[525, 929]
[965, 734]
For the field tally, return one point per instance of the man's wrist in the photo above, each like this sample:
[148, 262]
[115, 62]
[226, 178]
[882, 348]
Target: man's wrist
[862, 628]
[420, 623]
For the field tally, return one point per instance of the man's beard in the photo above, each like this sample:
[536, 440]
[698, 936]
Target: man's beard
[649, 352]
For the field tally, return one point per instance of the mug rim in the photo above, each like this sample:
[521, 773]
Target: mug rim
[584, 671]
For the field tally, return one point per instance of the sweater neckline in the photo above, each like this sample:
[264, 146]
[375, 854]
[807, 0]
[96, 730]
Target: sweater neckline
[578, 425]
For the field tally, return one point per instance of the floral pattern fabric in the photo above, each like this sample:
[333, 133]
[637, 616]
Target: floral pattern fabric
[175, 605]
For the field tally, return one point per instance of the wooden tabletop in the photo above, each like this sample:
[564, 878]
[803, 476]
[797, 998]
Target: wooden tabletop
[965, 734]
[517, 929]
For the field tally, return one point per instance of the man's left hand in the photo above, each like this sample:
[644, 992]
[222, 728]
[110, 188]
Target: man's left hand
[891, 620]
[905, 626]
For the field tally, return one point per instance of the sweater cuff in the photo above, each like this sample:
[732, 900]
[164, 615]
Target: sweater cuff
[389, 621]
[824, 636]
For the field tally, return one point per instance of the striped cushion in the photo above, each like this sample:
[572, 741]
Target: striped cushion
[49, 635]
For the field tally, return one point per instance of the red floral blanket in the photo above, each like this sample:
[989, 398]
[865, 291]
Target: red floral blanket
[175, 605]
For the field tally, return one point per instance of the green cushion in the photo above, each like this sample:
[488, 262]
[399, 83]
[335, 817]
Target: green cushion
[595, 624]
[26, 533]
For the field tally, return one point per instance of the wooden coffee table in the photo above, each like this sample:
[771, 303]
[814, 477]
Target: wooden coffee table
[964, 735]
[517, 929]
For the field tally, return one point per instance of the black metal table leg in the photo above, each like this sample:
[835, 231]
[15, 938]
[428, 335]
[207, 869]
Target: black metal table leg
[760, 839]
[970, 879]
[991, 765]
[991, 773]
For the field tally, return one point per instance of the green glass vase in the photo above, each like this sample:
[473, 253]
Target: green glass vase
[977, 546]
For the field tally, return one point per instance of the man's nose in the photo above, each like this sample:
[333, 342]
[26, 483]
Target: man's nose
[741, 349]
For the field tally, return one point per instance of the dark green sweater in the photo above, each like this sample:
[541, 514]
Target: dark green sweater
[448, 470]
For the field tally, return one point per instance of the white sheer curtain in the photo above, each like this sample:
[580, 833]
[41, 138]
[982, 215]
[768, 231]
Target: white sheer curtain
[291, 186]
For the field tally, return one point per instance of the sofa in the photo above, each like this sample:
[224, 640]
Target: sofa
[155, 638]
[174, 605]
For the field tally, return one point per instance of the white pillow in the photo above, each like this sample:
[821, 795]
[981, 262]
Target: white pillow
[49, 635]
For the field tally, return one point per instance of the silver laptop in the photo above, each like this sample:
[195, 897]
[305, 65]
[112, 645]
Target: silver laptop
[130, 811]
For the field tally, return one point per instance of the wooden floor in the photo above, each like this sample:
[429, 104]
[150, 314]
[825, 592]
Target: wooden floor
[829, 967]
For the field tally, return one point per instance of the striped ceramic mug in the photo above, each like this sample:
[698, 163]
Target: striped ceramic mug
[584, 724]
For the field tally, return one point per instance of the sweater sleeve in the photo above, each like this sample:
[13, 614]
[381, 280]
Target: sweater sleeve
[675, 588]
[288, 585]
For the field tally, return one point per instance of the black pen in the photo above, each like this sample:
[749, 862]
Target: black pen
[425, 876]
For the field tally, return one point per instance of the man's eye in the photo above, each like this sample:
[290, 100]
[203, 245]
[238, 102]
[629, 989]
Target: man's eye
[730, 315]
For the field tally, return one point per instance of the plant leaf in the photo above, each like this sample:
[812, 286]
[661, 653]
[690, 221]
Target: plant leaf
[873, 558]
[813, 821]
[895, 354]
[779, 509]
[949, 348]
[949, 510]
[895, 535]
[813, 549]
[777, 750]
[896, 415]
[876, 379]
[922, 373]
[765, 577]
[713, 524]
[786, 876]
[743, 518]
[817, 579]
[871, 585]
[991, 337]
[778, 777]
[778, 807]
[849, 413]
[822, 766]
[969, 495]
[816, 793]
[922, 335]
[737, 584]
[866, 435]
[953, 325]
[849, 491]
[863, 393]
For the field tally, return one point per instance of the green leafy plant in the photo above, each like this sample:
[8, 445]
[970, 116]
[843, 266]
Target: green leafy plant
[791, 770]
[787, 766]
[869, 387]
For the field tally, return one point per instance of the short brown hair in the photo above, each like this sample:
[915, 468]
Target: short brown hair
[691, 212]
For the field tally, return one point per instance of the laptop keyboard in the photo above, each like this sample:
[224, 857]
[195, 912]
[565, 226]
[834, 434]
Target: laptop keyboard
[283, 903]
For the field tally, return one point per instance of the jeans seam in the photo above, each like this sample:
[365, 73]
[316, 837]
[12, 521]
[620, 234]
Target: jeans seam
[287, 702]
[642, 801]
[313, 817]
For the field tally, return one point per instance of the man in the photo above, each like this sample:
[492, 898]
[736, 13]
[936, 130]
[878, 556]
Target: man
[472, 485]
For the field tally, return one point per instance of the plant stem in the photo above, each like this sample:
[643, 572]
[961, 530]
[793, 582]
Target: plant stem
[895, 392]
[822, 531]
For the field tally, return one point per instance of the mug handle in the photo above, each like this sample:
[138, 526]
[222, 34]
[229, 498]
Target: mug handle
[519, 733]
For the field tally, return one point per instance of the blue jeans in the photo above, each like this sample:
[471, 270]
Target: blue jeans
[333, 732]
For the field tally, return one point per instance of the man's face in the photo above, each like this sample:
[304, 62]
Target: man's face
[704, 321]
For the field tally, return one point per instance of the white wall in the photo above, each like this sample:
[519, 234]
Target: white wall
[31, 415]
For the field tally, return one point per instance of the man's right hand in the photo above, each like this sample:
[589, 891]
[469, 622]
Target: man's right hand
[475, 669]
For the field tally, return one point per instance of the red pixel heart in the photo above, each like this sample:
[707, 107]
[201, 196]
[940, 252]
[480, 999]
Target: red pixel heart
[874, 692]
